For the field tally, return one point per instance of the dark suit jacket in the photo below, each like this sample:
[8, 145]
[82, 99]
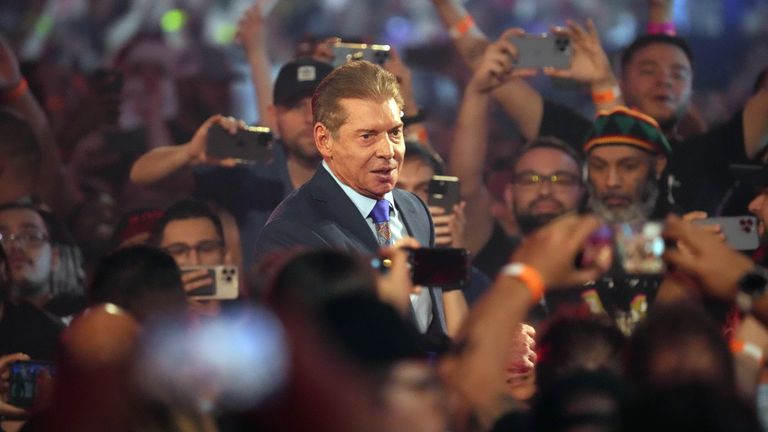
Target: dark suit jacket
[320, 214]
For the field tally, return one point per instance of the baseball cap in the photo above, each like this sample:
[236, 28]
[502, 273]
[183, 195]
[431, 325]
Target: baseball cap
[626, 126]
[299, 79]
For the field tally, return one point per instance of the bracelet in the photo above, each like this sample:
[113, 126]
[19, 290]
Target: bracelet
[747, 348]
[667, 28]
[606, 96]
[419, 117]
[529, 276]
[15, 92]
[461, 27]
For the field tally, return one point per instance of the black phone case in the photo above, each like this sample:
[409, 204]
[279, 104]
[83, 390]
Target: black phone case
[244, 146]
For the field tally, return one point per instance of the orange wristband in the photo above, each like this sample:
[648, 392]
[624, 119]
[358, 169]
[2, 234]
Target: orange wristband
[14, 93]
[529, 276]
[606, 96]
[739, 346]
[461, 27]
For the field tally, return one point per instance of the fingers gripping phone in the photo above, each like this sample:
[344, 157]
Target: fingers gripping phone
[25, 380]
[250, 145]
[542, 50]
[444, 191]
[225, 285]
[740, 231]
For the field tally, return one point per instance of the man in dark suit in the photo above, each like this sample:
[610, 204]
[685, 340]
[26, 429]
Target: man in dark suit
[351, 202]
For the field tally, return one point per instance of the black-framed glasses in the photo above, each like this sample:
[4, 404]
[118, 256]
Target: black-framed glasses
[24, 239]
[204, 248]
[558, 179]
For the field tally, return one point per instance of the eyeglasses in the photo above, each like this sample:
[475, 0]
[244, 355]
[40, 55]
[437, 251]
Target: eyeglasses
[204, 248]
[24, 239]
[564, 180]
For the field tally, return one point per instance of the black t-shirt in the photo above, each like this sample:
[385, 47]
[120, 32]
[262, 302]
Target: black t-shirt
[698, 169]
[30, 330]
[496, 252]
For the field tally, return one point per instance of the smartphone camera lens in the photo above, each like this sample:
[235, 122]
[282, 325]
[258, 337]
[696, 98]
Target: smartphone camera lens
[562, 44]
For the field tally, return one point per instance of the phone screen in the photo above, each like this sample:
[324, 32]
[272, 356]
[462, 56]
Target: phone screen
[443, 267]
[25, 379]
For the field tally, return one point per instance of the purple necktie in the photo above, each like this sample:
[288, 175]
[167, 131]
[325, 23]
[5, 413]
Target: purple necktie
[380, 216]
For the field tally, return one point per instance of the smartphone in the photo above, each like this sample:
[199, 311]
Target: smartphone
[344, 52]
[225, 285]
[440, 267]
[542, 50]
[444, 192]
[639, 247]
[740, 231]
[25, 379]
[251, 145]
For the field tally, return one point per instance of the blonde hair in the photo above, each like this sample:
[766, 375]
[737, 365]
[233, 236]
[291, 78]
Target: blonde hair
[355, 80]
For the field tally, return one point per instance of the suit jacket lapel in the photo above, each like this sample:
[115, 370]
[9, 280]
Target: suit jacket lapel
[338, 208]
[413, 218]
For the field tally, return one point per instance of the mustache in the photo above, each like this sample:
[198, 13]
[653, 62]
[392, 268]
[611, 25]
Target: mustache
[543, 200]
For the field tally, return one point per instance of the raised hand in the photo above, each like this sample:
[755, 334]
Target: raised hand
[552, 250]
[10, 74]
[497, 65]
[196, 148]
[589, 63]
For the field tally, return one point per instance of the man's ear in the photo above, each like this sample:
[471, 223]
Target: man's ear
[661, 163]
[323, 140]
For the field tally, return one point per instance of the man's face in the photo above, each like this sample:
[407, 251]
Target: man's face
[657, 80]
[759, 207]
[25, 239]
[414, 177]
[294, 125]
[367, 151]
[193, 242]
[536, 198]
[622, 182]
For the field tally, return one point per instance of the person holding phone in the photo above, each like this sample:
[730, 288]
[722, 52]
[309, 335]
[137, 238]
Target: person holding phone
[192, 234]
[351, 202]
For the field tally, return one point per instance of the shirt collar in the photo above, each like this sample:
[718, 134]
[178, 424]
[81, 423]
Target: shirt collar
[363, 203]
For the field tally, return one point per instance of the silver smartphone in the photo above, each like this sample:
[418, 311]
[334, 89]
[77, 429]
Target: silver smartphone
[537, 51]
[740, 231]
[225, 285]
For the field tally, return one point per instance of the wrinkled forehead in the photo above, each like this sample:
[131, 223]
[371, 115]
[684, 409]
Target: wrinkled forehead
[660, 53]
[546, 160]
[21, 219]
[617, 152]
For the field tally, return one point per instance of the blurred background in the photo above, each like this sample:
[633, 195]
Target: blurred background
[65, 37]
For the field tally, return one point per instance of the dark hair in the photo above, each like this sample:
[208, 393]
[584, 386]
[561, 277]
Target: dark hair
[19, 142]
[141, 279]
[574, 340]
[186, 209]
[547, 142]
[675, 328]
[559, 406]
[370, 332]
[691, 407]
[47, 217]
[309, 278]
[650, 39]
[414, 150]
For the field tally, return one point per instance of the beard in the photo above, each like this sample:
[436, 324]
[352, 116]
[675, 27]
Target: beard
[638, 210]
[529, 221]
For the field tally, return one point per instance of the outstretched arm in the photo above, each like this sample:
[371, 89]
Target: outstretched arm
[159, 163]
[470, 144]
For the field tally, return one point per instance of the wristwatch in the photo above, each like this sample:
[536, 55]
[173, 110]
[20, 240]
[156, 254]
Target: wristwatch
[752, 286]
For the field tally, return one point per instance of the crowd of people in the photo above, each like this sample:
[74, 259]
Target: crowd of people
[165, 266]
